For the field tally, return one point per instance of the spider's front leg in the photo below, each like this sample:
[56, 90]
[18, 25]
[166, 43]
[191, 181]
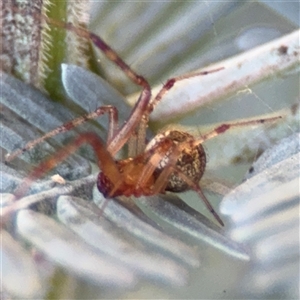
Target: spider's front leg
[141, 108]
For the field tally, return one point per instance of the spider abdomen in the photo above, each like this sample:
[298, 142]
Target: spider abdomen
[191, 162]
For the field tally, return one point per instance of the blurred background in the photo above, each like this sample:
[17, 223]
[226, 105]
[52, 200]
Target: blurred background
[160, 40]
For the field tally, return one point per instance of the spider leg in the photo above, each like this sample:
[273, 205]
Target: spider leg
[224, 127]
[170, 83]
[104, 159]
[141, 106]
[167, 87]
[124, 133]
[157, 154]
[198, 190]
[132, 145]
[141, 136]
[138, 144]
[161, 182]
[113, 127]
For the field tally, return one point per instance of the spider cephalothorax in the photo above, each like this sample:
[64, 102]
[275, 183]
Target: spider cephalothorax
[190, 162]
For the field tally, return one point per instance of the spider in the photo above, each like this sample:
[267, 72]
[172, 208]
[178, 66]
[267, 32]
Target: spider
[172, 161]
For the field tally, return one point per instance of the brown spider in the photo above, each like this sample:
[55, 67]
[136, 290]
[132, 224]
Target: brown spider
[172, 161]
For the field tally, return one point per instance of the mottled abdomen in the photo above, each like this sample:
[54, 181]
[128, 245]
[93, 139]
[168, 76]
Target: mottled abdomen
[191, 162]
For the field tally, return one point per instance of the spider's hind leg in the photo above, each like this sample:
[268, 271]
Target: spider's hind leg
[192, 185]
[104, 159]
